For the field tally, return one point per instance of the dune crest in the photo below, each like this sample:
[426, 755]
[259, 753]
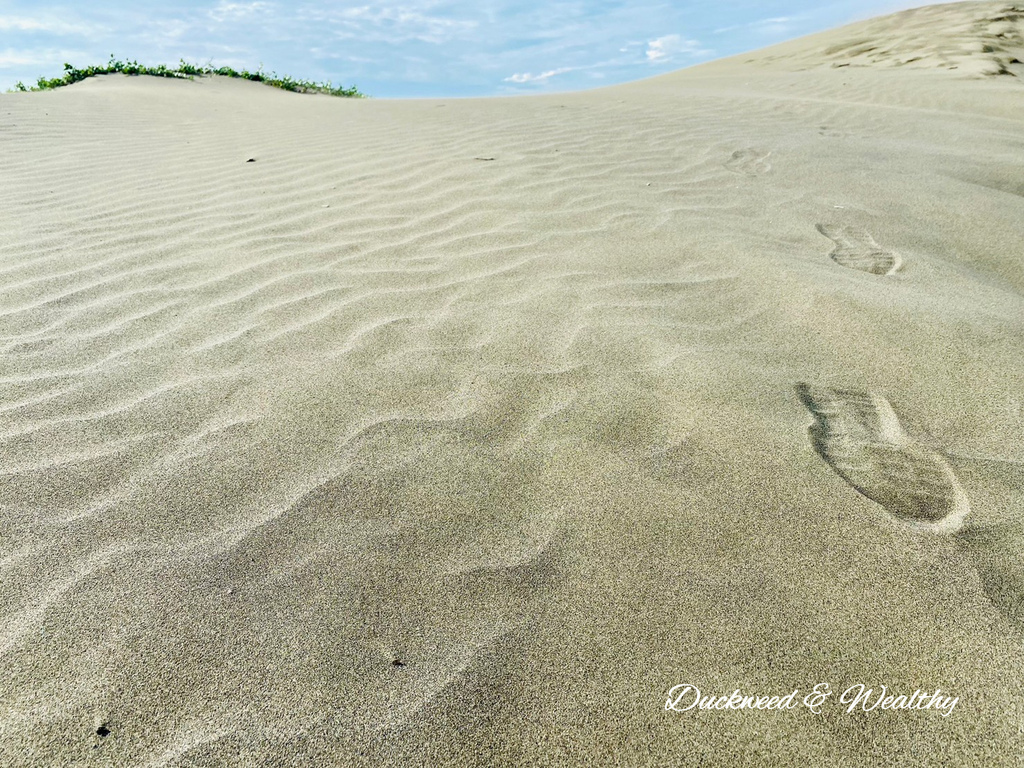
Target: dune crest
[973, 38]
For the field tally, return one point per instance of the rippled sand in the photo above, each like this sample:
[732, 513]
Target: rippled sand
[458, 432]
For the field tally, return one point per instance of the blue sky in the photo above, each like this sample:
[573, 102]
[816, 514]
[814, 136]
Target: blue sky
[415, 48]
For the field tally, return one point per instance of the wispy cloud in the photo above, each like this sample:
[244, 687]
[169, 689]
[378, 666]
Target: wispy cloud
[623, 56]
[10, 58]
[668, 47]
[779, 25]
[526, 77]
[15, 59]
[774, 27]
[388, 24]
[226, 11]
[22, 24]
[46, 24]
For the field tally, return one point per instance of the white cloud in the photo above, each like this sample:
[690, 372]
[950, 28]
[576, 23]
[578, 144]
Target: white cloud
[165, 30]
[237, 11]
[667, 47]
[51, 58]
[526, 77]
[388, 24]
[56, 26]
[661, 50]
[777, 27]
[21, 24]
[11, 58]
[773, 27]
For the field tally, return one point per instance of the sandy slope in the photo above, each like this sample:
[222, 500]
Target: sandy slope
[458, 432]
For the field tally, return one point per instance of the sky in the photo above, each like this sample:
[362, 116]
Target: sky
[415, 48]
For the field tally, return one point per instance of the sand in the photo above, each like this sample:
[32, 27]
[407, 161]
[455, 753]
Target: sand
[459, 432]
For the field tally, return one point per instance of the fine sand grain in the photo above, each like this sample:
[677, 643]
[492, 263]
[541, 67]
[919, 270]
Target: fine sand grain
[458, 432]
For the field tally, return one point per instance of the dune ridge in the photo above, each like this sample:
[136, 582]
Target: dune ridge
[978, 39]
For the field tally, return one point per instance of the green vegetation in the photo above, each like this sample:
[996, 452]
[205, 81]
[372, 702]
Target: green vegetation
[185, 70]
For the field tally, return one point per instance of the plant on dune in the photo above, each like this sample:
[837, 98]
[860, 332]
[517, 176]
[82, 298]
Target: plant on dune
[187, 71]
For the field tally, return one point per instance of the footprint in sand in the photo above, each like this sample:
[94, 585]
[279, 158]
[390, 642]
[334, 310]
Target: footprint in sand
[861, 438]
[749, 162]
[856, 249]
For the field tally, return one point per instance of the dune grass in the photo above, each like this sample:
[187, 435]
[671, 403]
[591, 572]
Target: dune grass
[187, 71]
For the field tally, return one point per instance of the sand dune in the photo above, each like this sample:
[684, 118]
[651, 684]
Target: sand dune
[459, 432]
[976, 38]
